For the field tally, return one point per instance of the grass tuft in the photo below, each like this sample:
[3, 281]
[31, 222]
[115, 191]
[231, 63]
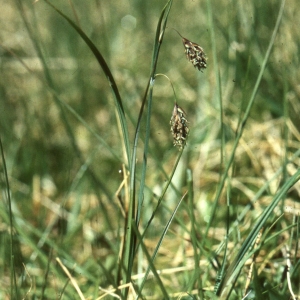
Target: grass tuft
[96, 201]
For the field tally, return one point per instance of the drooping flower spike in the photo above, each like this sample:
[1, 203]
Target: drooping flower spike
[194, 53]
[179, 127]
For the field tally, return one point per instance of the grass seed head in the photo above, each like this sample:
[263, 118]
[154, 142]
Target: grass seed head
[195, 54]
[179, 127]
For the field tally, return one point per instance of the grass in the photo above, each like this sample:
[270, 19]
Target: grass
[96, 201]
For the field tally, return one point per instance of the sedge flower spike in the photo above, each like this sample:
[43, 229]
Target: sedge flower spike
[194, 53]
[179, 127]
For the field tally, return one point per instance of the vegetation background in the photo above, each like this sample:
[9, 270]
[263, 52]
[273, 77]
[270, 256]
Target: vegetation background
[65, 164]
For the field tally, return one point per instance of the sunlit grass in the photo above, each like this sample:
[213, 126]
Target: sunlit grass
[70, 166]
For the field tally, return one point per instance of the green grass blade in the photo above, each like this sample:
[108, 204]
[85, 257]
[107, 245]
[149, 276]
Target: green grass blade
[161, 26]
[13, 282]
[151, 260]
[257, 286]
[163, 193]
[109, 76]
[151, 265]
[218, 80]
[245, 118]
[235, 265]
[259, 193]
[130, 244]
[194, 237]
[95, 181]
[69, 108]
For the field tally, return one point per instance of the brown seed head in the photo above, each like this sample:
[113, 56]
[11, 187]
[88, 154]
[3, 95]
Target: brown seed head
[179, 127]
[195, 54]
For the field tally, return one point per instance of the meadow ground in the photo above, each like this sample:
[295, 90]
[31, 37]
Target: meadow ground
[97, 202]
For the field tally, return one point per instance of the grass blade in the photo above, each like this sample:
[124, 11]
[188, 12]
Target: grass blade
[193, 235]
[151, 265]
[157, 44]
[151, 260]
[235, 266]
[13, 282]
[130, 243]
[244, 120]
[109, 76]
[95, 181]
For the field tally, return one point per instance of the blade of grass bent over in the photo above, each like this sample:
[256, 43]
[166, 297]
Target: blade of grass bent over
[109, 76]
[67, 107]
[34, 38]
